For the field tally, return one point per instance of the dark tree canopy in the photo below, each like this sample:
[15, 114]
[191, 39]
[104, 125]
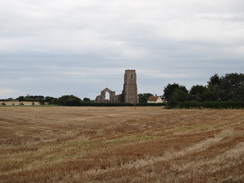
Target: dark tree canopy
[31, 98]
[232, 87]
[86, 99]
[175, 93]
[50, 100]
[169, 91]
[214, 80]
[143, 97]
[197, 93]
[69, 100]
[180, 95]
[226, 88]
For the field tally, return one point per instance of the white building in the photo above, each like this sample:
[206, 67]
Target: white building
[155, 99]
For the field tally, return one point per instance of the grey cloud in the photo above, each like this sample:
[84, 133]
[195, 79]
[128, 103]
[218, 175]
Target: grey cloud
[58, 47]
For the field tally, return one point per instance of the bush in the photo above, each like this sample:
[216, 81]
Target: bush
[69, 100]
[190, 104]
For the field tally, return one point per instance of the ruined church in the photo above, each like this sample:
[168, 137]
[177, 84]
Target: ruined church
[129, 93]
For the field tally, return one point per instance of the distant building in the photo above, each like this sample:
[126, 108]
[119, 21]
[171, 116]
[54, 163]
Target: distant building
[155, 99]
[129, 93]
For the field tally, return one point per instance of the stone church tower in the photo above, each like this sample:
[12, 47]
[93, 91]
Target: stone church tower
[130, 87]
[129, 93]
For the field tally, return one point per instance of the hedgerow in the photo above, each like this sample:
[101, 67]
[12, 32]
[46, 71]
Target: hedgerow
[212, 104]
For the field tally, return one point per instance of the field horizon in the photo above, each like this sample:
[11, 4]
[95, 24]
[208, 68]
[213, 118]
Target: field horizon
[121, 144]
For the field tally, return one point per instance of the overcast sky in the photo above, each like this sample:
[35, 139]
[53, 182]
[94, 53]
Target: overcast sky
[80, 47]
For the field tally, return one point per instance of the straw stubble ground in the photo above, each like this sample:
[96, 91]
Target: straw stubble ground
[121, 144]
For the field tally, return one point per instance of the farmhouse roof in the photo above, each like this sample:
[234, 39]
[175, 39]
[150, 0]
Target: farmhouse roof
[153, 98]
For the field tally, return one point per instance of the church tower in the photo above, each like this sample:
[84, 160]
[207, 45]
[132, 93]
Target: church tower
[130, 87]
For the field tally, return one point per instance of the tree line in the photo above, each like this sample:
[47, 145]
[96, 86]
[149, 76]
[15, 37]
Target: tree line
[220, 92]
[65, 100]
[227, 88]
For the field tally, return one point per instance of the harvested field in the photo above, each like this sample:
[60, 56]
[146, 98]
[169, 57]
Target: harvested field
[121, 144]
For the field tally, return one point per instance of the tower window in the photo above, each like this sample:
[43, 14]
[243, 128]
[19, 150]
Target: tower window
[131, 76]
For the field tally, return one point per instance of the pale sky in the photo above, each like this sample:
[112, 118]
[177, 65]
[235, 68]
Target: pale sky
[80, 47]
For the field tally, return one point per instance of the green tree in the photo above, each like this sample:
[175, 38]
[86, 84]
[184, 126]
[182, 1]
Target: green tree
[169, 91]
[214, 80]
[180, 95]
[228, 87]
[69, 100]
[232, 87]
[21, 98]
[50, 100]
[174, 94]
[143, 97]
[196, 93]
[86, 99]
[210, 94]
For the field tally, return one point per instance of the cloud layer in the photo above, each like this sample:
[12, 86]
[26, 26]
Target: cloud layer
[80, 47]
